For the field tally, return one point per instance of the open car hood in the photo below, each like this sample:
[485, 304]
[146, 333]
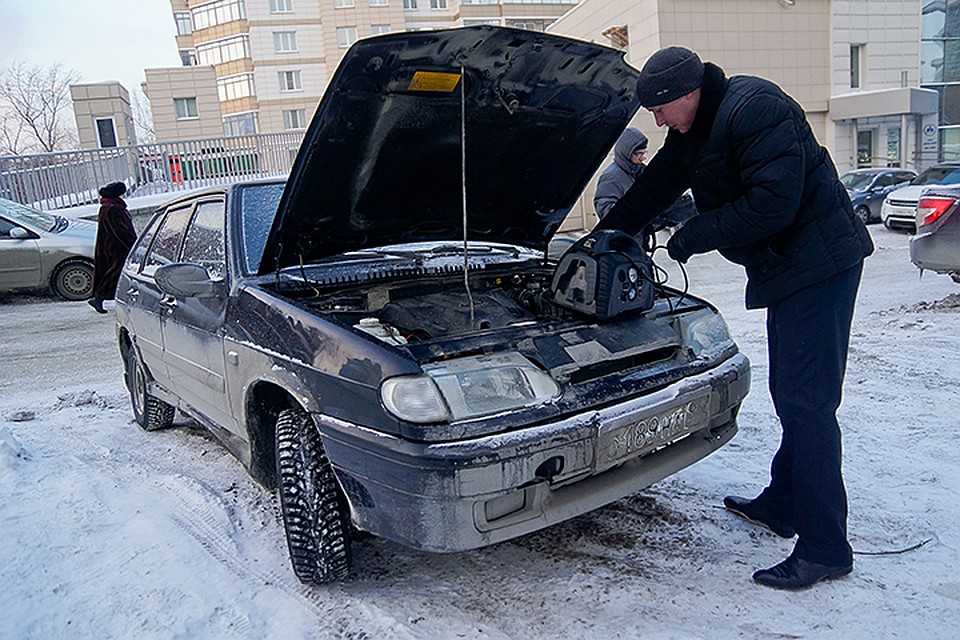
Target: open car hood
[381, 161]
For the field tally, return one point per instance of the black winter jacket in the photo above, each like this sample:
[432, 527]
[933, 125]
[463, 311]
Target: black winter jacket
[768, 193]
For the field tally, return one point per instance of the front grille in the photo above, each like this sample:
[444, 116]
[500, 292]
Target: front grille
[902, 203]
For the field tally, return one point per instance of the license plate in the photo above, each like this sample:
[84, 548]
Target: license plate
[654, 430]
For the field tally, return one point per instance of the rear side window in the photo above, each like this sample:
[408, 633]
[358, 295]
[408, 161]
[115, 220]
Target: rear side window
[139, 252]
[165, 247]
[204, 244]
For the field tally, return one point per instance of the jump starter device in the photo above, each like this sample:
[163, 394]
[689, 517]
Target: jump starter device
[603, 275]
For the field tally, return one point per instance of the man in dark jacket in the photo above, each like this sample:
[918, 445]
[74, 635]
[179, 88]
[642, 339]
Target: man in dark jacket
[769, 199]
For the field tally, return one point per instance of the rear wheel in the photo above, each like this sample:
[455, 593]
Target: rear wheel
[73, 280]
[313, 508]
[863, 212]
[150, 413]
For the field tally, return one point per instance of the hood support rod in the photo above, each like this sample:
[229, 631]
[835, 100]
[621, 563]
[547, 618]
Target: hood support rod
[463, 179]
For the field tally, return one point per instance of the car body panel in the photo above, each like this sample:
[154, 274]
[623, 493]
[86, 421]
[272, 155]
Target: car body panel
[936, 247]
[31, 263]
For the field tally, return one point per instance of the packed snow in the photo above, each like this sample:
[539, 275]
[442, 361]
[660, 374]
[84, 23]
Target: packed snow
[112, 532]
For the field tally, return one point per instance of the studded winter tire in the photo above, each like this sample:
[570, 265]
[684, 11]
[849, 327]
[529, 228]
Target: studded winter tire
[312, 506]
[150, 413]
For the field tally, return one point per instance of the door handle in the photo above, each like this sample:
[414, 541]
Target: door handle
[169, 302]
[133, 292]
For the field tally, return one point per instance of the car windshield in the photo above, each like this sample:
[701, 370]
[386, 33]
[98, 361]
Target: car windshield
[855, 181]
[939, 175]
[258, 204]
[28, 217]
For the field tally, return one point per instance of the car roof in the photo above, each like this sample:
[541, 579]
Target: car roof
[218, 190]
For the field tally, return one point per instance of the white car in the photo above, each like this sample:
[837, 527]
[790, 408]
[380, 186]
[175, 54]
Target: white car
[899, 210]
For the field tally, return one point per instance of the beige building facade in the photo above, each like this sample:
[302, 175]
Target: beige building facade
[272, 59]
[184, 103]
[853, 65]
[103, 115]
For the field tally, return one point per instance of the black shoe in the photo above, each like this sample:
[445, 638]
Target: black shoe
[795, 573]
[756, 513]
[97, 305]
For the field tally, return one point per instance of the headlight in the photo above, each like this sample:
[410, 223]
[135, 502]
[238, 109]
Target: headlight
[706, 333]
[470, 387]
[414, 399]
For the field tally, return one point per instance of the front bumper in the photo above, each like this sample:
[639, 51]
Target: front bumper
[902, 215]
[472, 493]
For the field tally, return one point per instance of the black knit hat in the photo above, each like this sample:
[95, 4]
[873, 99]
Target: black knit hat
[669, 74]
[113, 190]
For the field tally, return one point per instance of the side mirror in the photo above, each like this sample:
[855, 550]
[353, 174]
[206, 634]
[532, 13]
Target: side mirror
[187, 280]
[19, 233]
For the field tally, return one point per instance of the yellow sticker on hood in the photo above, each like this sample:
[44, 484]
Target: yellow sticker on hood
[434, 81]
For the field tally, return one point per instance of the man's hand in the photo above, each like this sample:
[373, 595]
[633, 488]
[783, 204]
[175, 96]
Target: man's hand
[677, 246]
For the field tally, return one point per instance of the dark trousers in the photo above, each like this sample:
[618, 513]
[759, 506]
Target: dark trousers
[808, 335]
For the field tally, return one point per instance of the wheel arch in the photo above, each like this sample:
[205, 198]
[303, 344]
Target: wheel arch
[263, 402]
[63, 264]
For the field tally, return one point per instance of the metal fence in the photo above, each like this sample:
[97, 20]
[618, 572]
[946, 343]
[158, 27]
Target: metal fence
[70, 178]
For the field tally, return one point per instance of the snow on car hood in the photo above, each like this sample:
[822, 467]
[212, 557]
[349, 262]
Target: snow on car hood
[381, 161]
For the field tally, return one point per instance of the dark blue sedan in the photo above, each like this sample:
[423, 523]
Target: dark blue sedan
[869, 187]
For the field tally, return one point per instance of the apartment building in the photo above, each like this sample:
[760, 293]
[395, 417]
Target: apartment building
[940, 68]
[271, 59]
[854, 65]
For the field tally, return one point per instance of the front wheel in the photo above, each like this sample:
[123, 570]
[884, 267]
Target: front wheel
[150, 413]
[73, 280]
[863, 213]
[313, 508]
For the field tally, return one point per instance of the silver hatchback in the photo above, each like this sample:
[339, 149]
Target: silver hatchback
[39, 250]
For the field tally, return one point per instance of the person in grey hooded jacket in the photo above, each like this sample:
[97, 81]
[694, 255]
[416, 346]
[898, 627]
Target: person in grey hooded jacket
[628, 156]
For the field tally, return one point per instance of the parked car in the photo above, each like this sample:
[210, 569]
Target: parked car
[322, 328]
[937, 244]
[899, 210]
[869, 187]
[39, 250]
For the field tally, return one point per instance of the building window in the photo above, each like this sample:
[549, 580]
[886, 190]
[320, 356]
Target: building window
[186, 108]
[227, 50]
[241, 124]
[235, 87]
[344, 4]
[856, 62]
[220, 12]
[106, 133]
[184, 26]
[281, 6]
[188, 57]
[284, 41]
[294, 119]
[438, 4]
[346, 36]
[379, 3]
[409, 5]
[379, 29]
[290, 81]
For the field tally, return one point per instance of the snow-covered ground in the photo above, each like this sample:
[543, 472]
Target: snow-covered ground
[110, 532]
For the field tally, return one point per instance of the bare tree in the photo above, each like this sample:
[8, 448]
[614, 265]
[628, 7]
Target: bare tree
[142, 117]
[37, 103]
[13, 141]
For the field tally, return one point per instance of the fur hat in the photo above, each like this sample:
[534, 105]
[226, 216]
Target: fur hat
[113, 190]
